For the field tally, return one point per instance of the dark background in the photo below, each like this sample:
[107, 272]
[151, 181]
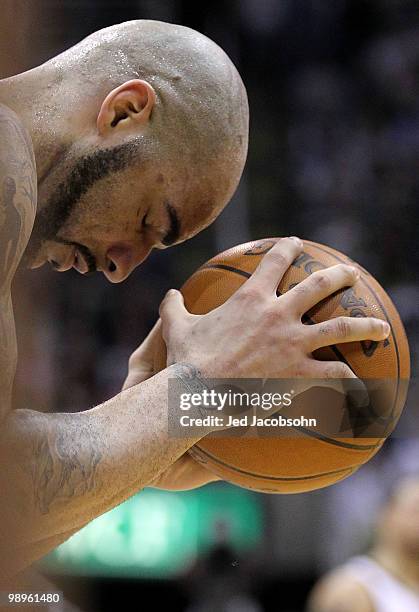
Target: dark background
[334, 157]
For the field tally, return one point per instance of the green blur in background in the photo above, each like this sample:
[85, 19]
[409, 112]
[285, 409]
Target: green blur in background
[157, 534]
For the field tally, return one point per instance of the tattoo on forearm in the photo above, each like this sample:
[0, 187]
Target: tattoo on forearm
[191, 378]
[65, 463]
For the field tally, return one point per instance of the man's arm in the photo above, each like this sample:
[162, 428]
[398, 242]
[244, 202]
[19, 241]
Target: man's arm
[185, 473]
[59, 471]
[17, 213]
[339, 592]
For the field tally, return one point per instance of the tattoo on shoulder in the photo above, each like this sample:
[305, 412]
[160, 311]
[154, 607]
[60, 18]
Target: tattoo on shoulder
[10, 227]
[18, 190]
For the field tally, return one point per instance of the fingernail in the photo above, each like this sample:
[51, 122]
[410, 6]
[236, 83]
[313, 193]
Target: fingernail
[297, 240]
[386, 328]
[355, 272]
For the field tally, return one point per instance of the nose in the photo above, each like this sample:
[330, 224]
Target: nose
[121, 261]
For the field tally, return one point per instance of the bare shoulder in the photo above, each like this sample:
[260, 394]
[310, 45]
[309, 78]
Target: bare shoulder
[17, 193]
[339, 592]
[17, 213]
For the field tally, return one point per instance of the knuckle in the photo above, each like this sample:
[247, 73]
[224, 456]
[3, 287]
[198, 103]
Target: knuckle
[343, 328]
[321, 281]
[296, 340]
[375, 326]
[292, 242]
[338, 370]
[301, 289]
[301, 372]
[277, 258]
[348, 271]
[271, 317]
[250, 293]
[326, 329]
[132, 361]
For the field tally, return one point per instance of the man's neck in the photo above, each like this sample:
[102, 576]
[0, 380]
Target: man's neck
[403, 566]
[25, 94]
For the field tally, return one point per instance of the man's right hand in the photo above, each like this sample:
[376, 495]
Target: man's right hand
[256, 334]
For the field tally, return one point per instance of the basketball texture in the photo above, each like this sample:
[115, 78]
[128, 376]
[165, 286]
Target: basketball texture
[288, 463]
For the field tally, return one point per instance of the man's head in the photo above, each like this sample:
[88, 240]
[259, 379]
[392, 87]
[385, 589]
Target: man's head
[144, 127]
[398, 521]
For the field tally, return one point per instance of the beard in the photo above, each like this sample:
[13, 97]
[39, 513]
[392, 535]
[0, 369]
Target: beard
[83, 174]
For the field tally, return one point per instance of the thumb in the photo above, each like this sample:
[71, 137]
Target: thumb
[172, 311]
[141, 362]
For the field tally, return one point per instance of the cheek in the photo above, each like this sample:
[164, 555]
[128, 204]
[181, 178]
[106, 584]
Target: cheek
[103, 221]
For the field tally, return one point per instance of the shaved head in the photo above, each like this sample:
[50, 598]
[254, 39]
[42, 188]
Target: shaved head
[142, 125]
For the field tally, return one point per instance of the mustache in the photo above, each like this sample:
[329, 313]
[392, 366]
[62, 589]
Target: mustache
[89, 258]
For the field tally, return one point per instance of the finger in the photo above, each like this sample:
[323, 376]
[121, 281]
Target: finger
[172, 311]
[334, 375]
[183, 475]
[339, 376]
[275, 263]
[145, 352]
[327, 374]
[333, 370]
[347, 329]
[141, 362]
[319, 286]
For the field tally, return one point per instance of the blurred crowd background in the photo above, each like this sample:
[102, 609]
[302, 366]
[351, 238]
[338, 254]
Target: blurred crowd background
[334, 157]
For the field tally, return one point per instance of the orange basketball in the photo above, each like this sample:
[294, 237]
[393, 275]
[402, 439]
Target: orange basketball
[286, 463]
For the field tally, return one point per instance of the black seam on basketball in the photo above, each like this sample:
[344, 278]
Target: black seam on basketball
[226, 267]
[266, 489]
[269, 477]
[306, 317]
[248, 275]
[315, 434]
[362, 280]
[384, 311]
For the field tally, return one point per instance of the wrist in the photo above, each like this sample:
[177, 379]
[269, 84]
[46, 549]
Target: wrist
[189, 376]
[186, 380]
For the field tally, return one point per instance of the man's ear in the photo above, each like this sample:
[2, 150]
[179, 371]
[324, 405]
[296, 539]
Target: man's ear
[128, 105]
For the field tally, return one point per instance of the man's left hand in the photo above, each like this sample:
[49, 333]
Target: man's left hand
[185, 473]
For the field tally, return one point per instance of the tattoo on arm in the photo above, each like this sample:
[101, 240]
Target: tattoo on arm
[65, 461]
[17, 213]
[17, 193]
[10, 228]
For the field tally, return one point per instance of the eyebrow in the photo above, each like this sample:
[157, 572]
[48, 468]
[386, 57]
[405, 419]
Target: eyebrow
[173, 233]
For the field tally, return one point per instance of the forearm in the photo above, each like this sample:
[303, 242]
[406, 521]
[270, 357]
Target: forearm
[59, 471]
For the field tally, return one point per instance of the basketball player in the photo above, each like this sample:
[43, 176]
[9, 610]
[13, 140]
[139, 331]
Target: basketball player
[387, 579]
[134, 139]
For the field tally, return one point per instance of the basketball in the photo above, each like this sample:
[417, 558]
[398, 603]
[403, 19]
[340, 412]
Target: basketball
[287, 463]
